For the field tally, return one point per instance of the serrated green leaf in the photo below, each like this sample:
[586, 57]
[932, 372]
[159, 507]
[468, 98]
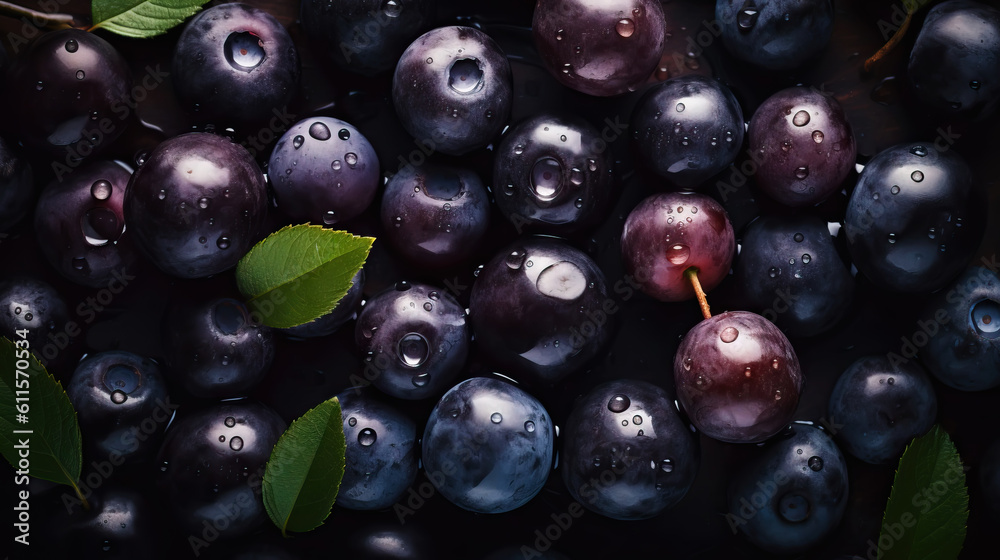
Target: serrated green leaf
[300, 273]
[54, 444]
[928, 507]
[142, 18]
[303, 475]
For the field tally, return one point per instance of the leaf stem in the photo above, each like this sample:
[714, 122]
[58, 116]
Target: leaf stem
[53, 21]
[692, 275]
[896, 38]
[83, 500]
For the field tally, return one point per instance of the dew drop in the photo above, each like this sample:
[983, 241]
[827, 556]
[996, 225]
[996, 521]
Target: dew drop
[351, 158]
[919, 151]
[230, 421]
[974, 84]
[729, 334]
[680, 107]
[816, 463]
[667, 465]
[747, 16]
[367, 437]
[619, 403]
[917, 176]
[625, 27]
[806, 258]
[162, 194]
[496, 418]
[203, 203]
[352, 421]
[529, 426]
[223, 243]
[894, 189]
[236, 443]
[687, 364]
[298, 141]
[330, 217]
[515, 259]
[892, 238]
[72, 46]
[817, 136]
[637, 420]
[800, 118]
[335, 165]
[773, 272]
[801, 172]
[101, 189]
[80, 74]
[118, 396]
[678, 254]
[421, 380]
[546, 178]
[412, 349]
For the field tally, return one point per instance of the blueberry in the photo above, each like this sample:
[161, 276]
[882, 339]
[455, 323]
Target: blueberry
[803, 144]
[599, 47]
[632, 430]
[346, 309]
[793, 495]
[34, 305]
[365, 36]
[793, 275]
[881, 404]
[954, 58]
[381, 453]
[487, 446]
[324, 171]
[196, 205]
[774, 34]
[435, 216]
[80, 224]
[539, 308]
[211, 465]
[963, 349]
[122, 404]
[452, 89]
[554, 174]
[234, 64]
[71, 89]
[915, 218]
[215, 348]
[416, 339]
[687, 129]
[16, 186]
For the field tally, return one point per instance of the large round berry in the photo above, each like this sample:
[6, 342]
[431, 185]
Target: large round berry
[541, 308]
[793, 495]
[196, 205]
[914, 218]
[554, 173]
[324, 171]
[793, 275]
[415, 340]
[16, 186]
[487, 446]
[803, 145]
[72, 94]
[212, 467]
[880, 404]
[960, 344]
[215, 348]
[381, 455]
[774, 34]
[35, 307]
[364, 36]
[687, 129]
[234, 63]
[633, 429]
[452, 89]
[737, 377]
[122, 404]
[669, 233]
[956, 57]
[80, 224]
[435, 216]
[600, 47]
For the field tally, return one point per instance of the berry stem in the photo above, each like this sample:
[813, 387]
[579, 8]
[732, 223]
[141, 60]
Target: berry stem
[40, 19]
[897, 37]
[692, 275]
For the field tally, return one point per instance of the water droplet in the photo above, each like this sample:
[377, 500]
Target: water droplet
[747, 16]
[367, 437]
[465, 75]
[917, 176]
[101, 189]
[515, 259]
[625, 27]
[816, 463]
[729, 334]
[352, 421]
[563, 280]
[330, 218]
[100, 226]
[546, 178]
[430, 60]
[162, 194]
[529, 426]
[597, 461]
[118, 396]
[578, 203]
[203, 203]
[412, 349]
[402, 286]
[72, 46]
[80, 74]
[392, 8]
[875, 196]
[351, 158]
[678, 254]
[687, 364]
[800, 118]
[667, 465]
[619, 403]
[806, 258]
[773, 272]
[680, 107]
[421, 380]
[894, 189]
[801, 172]
[222, 242]
[298, 141]
[892, 238]
[817, 137]
[637, 420]
[335, 165]
[496, 418]
[918, 151]
[974, 84]
[236, 443]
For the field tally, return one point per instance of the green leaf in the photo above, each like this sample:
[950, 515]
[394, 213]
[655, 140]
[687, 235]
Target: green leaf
[305, 469]
[299, 273]
[142, 18]
[54, 445]
[928, 507]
